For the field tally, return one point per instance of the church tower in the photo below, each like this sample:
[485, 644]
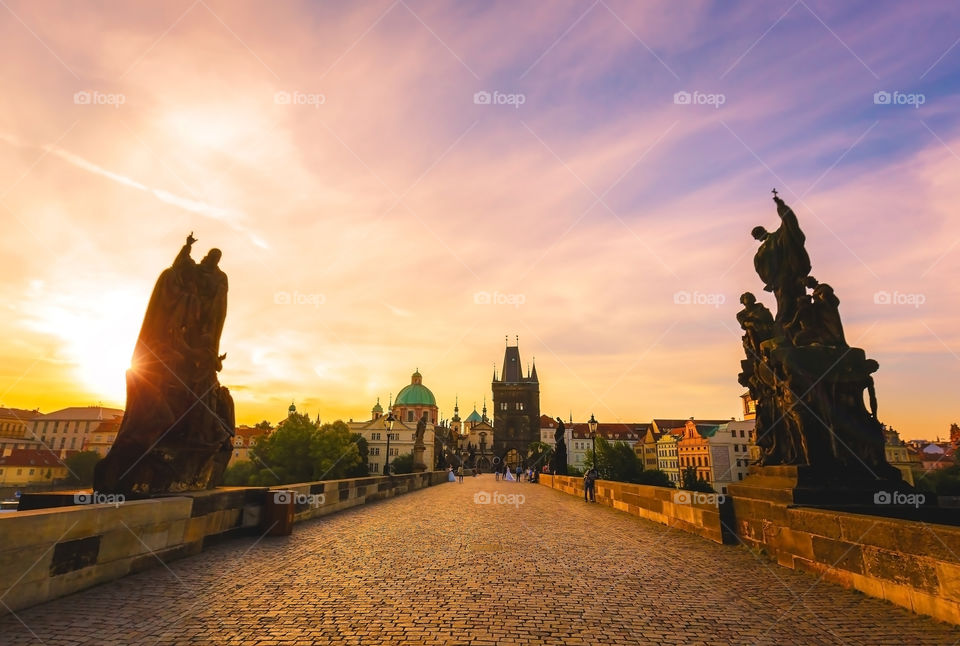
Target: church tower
[516, 406]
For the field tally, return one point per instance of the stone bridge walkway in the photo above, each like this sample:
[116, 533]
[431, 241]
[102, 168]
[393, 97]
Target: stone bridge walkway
[434, 567]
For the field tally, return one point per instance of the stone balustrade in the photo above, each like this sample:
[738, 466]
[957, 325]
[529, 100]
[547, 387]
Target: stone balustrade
[48, 553]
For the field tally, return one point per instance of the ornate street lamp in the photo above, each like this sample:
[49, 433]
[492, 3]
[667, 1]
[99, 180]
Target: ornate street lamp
[592, 424]
[388, 423]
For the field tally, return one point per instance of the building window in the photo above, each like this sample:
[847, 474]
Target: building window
[503, 405]
[375, 450]
[520, 406]
[409, 415]
[741, 432]
[375, 437]
[733, 432]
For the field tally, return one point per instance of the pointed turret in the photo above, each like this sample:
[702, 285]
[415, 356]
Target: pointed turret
[533, 374]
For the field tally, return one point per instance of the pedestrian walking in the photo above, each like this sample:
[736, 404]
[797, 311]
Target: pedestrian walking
[590, 486]
[460, 474]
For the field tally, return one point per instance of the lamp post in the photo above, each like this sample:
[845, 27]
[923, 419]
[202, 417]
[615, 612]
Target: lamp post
[592, 424]
[388, 423]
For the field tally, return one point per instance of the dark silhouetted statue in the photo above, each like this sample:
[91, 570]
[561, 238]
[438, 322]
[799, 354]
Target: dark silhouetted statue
[177, 430]
[419, 465]
[558, 461]
[808, 384]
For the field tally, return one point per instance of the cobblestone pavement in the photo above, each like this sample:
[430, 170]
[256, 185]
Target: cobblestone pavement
[435, 567]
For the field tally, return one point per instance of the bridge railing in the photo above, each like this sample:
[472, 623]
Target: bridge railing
[49, 553]
[910, 563]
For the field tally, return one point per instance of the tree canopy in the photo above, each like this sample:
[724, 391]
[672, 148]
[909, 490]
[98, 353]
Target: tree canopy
[80, 467]
[299, 450]
[692, 482]
[402, 464]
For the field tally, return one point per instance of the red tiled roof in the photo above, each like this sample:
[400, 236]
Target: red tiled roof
[82, 413]
[249, 433]
[615, 431]
[18, 414]
[32, 458]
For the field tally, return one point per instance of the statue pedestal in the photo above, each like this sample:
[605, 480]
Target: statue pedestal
[763, 498]
[419, 466]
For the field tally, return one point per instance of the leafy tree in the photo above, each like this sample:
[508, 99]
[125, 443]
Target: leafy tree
[692, 482]
[402, 464]
[264, 426]
[538, 454]
[80, 468]
[575, 471]
[238, 474]
[301, 451]
[616, 461]
[939, 482]
[362, 469]
[654, 477]
[335, 452]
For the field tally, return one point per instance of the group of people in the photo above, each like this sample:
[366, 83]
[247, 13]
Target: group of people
[457, 476]
[504, 472]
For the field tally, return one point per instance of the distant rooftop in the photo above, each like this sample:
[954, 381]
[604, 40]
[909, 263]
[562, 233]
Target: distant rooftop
[82, 413]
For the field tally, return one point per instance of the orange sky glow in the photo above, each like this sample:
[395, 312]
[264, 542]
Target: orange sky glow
[368, 199]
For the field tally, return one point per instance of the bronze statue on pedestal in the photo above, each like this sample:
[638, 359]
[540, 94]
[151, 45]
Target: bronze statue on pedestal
[178, 427]
[808, 384]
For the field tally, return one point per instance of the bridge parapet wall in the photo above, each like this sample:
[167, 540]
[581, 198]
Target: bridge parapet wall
[911, 563]
[709, 516]
[49, 553]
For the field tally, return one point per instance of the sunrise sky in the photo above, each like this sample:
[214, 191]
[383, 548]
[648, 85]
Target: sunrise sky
[337, 153]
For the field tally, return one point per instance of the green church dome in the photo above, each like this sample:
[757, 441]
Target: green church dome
[416, 394]
[474, 417]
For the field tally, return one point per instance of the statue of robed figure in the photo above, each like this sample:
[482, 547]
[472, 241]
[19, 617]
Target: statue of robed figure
[808, 384]
[178, 426]
[558, 461]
